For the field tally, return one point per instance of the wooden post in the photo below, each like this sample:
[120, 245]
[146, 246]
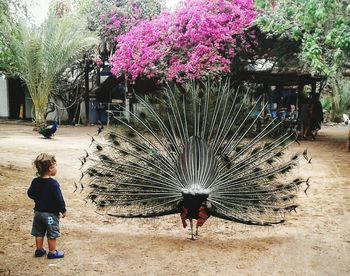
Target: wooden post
[127, 102]
[98, 76]
[87, 95]
[300, 93]
[265, 92]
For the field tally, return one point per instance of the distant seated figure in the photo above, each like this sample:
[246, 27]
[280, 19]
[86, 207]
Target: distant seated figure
[316, 115]
[293, 113]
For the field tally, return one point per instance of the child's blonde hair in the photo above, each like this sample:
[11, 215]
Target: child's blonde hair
[43, 162]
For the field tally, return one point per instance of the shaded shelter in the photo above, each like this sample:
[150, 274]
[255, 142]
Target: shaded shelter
[283, 84]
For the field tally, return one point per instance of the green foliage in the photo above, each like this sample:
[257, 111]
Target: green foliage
[322, 27]
[41, 54]
[326, 103]
[340, 100]
[9, 10]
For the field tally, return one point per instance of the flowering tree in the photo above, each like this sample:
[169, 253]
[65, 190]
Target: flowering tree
[111, 18]
[198, 40]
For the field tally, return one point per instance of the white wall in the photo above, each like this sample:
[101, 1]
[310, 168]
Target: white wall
[4, 99]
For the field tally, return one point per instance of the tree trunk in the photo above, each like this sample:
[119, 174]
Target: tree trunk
[40, 99]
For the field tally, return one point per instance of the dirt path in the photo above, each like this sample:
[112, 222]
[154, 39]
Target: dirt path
[314, 241]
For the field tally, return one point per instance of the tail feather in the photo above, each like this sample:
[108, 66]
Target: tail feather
[208, 143]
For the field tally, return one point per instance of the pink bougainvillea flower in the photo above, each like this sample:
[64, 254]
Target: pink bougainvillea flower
[198, 40]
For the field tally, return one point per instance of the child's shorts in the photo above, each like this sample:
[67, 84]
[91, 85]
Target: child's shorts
[46, 223]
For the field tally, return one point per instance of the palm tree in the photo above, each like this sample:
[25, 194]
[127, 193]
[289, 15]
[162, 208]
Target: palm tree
[42, 54]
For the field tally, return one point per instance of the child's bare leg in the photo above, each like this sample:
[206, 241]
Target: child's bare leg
[52, 245]
[39, 242]
[54, 253]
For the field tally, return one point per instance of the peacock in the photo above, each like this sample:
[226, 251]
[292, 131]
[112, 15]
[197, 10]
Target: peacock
[199, 149]
[49, 131]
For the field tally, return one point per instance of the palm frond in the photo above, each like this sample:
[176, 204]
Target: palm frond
[42, 53]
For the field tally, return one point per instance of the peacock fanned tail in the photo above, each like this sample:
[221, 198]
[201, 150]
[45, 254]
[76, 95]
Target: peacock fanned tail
[205, 143]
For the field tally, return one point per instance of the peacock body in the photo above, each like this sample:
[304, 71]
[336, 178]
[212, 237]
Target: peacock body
[49, 131]
[204, 147]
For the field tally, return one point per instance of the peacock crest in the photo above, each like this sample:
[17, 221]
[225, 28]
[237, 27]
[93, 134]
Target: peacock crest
[200, 143]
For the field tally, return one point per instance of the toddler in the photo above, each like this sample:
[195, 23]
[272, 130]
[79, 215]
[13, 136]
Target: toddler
[49, 203]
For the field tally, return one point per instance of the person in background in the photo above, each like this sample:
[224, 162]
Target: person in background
[316, 116]
[304, 119]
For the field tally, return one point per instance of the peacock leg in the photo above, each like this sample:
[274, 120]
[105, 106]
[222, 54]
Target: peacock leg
[192, 235]
[197, 230]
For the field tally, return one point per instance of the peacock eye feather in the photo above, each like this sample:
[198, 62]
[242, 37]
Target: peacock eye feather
[267, 145]
[138, 148]
[131, 134]
[279, 154]
[225, 158]
[142, 115]
[91, 172]
[270, 161]
[286, 169]
[200, 94]
[99, 147]
[295, 157]
[112, 136]
[92, 197]
[256, 170]
[123, 152]
[105, 157]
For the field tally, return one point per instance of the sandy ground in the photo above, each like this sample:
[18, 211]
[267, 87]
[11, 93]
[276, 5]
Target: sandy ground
[313, 241]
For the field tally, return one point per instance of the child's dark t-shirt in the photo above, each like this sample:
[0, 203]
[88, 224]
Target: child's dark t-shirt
[47, 195]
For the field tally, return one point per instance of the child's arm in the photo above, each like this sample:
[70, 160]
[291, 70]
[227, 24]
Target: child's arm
[31, 192]
[60, 201]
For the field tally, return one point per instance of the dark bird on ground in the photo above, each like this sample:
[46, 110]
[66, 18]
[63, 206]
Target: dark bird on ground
[209, 158]
[49, 131]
